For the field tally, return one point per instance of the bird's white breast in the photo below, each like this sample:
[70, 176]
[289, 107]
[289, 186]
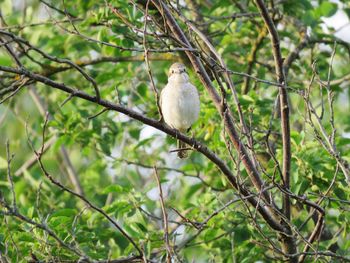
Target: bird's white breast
[180, 103]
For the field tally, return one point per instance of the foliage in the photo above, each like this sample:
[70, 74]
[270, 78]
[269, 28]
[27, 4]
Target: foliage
[112, 161]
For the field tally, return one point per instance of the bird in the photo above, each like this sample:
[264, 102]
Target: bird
[179, 103]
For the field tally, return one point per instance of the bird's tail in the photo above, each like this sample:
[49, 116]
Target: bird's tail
[182, 154]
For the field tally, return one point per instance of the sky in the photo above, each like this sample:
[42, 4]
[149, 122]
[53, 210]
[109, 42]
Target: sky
[339, 23]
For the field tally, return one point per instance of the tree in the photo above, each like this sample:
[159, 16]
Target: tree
[88, 169]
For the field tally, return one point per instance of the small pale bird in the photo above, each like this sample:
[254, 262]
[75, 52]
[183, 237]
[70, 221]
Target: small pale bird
[179, 102]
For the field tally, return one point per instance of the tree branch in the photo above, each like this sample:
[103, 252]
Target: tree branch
[165, 217]
[160, 126]
[220, 104]
[289, 243]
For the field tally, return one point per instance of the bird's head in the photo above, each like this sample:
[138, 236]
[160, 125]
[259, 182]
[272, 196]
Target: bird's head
[177, 68]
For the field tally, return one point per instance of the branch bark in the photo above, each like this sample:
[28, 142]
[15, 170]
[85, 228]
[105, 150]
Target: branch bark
[288, 242]
[219, 102]
[222, 166]
[165, 217]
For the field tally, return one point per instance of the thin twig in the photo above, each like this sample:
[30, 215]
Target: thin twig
[165, 217]
[81, 197]
[156, 124]
[9, 176]
[149, 71]
[288, 243]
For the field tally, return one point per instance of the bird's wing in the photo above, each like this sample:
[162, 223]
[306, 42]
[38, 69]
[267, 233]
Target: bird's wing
[193, 88]
[162, 94]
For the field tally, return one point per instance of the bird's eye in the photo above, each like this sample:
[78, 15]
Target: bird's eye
[173, 71]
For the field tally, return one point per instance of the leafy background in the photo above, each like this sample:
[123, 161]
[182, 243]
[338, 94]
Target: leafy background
[114, 156]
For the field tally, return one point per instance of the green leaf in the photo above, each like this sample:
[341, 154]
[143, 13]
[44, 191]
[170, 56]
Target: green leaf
[340, 194]
[66, 212]
[246, 100]
[241, 234]
[5, 61]
[193, 189]
[143, 142]
[26, 237]
[30, 212]
[113, 189]
[3, 163]
[328, 9]
[347, 11]
[210, 234]
[141, 227]
[105, 147]
[142, 89]
[310, 18]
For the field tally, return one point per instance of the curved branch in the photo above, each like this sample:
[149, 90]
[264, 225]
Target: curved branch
[52, 58]
[219, 102]
[307, 42]
[289, 245]
[270, 219]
